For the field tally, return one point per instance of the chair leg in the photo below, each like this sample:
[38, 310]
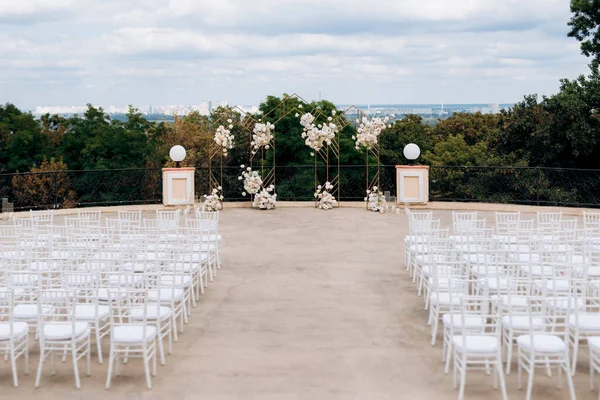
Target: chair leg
[147, 369]
[88, 357]
[509, 348]
[463, 378]
[111, 361]
[13, 364]
[40, 365]
[530, 379]
[575, 351]
[98, 342]
[569, 377]
[75, 367]
[160, 348]
[500, 373]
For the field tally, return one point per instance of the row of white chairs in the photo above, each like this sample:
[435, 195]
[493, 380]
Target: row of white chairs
[537, 279]
[128, 277]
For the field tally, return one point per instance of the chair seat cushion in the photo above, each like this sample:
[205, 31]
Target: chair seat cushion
[476, 344]
[88, 312]
[586, 321]
[456, 321]
[65, 331]
[133, 334]
[29, 311]
[165, 295]
[444, 298]
[152, 312]
[19, 329]
[542, 343]
[177, 280]
[522, 322]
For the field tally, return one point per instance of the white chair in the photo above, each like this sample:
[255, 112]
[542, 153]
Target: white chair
[14, 335]
[544, 347]
[477, 348]
[86, 281]
[60, 332]
[131, 337]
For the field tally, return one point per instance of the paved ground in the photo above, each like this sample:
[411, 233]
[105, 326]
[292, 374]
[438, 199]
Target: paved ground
[309, 305]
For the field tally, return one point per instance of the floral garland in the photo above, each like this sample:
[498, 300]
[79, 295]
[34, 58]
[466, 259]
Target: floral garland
[212, 202]
[224, 138]
[326, 200]
[375, 200]
[369, 131]
[265, 199]
[252, 180]
[317, 135]
[262, 136]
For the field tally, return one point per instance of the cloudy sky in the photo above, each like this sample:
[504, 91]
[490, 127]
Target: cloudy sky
[118, 52]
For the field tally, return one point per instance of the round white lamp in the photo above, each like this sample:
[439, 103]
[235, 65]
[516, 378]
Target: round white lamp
[177, 154]
[411, 152]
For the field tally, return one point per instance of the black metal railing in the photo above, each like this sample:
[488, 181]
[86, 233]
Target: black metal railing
[516, 185]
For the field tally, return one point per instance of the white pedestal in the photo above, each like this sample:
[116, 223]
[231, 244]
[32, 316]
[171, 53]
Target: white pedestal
[178, 186]
[412, 183]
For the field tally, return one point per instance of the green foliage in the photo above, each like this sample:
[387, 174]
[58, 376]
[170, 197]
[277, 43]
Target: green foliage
[409, 129]
[22, 145]
[585, 26]
[455, 151]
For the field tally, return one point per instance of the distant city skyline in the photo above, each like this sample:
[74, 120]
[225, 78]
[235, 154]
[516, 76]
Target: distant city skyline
[183, 51]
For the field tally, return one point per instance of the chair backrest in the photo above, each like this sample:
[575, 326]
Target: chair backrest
[134, 216]
[544, 218]
[479, 316]
[463, 216]
[122, 300]
[43, 216]
[56, 307]
[591, 220]
[93, 216]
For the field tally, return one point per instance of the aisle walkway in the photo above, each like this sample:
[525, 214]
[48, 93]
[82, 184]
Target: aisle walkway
[310, 305]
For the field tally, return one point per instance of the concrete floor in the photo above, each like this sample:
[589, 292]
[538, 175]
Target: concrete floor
[309, 305]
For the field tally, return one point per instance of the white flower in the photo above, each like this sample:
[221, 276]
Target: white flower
[299, 105]
[312, 154]
[297, 115]
[329, 119]
[240, 178]
[333, 112]
[262, 135]
[224, 138]
[222, 197]
[220, 188]
[242, 166]
[243, 193]
[229, 121]
[248, 169]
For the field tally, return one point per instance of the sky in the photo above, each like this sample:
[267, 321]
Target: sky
[119, 52]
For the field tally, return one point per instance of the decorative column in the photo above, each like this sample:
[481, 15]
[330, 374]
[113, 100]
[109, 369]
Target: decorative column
[178, 186]
[412, 183]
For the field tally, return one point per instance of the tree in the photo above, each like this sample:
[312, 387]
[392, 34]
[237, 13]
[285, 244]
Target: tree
[474, 128]
[45, 186]
[409, 129]
[455, 151]
[585, 27]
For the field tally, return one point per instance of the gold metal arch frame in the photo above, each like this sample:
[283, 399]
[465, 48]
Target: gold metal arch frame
[215, 153]
[355, 116]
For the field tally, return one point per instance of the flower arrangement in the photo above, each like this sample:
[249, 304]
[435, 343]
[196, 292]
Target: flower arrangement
[369, 131]
[325, 200]
[224, 138]
[212, 202]
[262, 136]
[252, 180]
[265, 199]
[317, 135]
[375, 200]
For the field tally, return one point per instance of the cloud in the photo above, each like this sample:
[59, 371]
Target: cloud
[185, 51]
